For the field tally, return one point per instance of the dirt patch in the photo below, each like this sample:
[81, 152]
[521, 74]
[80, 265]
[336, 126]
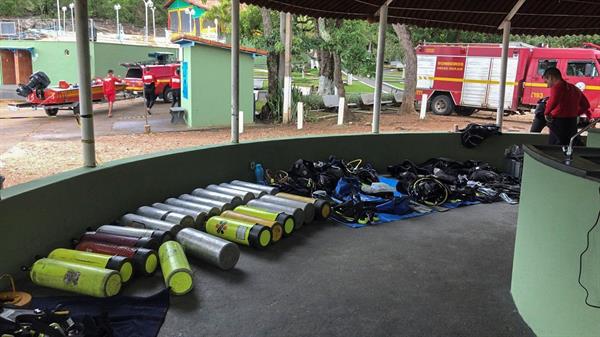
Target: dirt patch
[32, 159]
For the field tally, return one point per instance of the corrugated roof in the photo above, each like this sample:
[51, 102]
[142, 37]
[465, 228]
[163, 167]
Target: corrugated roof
[183, 38]
[536, 17]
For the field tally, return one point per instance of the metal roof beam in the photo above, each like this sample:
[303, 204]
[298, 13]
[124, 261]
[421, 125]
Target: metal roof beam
[386, 4]
[512, 13]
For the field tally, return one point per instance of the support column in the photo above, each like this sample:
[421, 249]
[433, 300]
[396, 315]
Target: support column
[235, 71]
[503, 66]
[86, 114]
[379, 68]
[287, 79]
[280, 69]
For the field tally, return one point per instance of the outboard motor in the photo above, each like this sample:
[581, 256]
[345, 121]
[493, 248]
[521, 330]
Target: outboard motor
[37, 82]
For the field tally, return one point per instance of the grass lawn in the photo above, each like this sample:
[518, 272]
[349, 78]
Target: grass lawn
[311, 78]
[358, 87]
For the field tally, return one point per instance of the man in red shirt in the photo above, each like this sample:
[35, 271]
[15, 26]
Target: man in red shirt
[110, 91]
[149, 90]
[175, 88]
[565, 105]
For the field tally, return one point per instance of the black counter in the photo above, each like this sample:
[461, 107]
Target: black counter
[585, 162]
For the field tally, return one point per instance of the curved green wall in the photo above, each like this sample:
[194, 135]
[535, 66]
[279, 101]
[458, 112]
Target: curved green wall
[44, 214]
[556, 212]
[593, 138]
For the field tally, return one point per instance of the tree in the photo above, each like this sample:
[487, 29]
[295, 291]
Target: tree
[222, 13]
[273, 54]
[410, 69]
[326, 84]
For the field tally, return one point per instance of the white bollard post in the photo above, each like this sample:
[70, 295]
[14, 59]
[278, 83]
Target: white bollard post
[423, 106]
[300, 115]
[350, 79]
[241, 121]
[341, 110]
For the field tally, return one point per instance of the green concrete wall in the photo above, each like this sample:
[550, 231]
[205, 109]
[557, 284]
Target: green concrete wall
[59, 59]
[555, 213]
[593, 138]
[48, 212]
[209, 81]
[111, 55]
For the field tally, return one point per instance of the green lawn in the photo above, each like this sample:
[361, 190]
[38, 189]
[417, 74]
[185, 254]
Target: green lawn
[311, 78]
[358, 87]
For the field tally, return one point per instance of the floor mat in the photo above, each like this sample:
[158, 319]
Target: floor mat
[128, 316]
[388, 217]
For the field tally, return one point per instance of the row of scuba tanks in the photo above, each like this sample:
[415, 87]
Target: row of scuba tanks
[207, 224]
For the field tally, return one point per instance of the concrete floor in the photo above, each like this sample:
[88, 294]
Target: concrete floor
[446, 274]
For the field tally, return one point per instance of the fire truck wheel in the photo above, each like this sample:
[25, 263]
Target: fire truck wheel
[167, 95]
[442, 105]
[463, 111]
[51, 111]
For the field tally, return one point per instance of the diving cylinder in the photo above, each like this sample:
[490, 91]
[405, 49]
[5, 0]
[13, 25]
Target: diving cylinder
[199, 216]
[144, 260]
[286, 220]
[234, 200]
[323, 207]
[175, 268]
[308, 208]
[242, 232]
[297, 213]
[276, 229]
[134, 220]
[119, 263]
[222, 205]
[257, 193]
[167, 216]
[246, 196]
[161, 236]
[209, 248]
[68, 276]
[268, 189]
[195, 205]
[120, 240]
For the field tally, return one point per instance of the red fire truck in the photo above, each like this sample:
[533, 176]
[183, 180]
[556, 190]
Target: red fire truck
[162, 66]
[465, 78]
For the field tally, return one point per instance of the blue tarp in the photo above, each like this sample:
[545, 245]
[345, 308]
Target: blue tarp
[388, 217]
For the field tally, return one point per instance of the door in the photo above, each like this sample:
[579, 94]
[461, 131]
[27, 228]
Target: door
[23, 67]
[493, 92]
[425, 71]
[475, 86]
[8, 67]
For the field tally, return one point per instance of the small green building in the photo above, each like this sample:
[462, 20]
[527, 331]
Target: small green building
[58, 59]
[206, 81]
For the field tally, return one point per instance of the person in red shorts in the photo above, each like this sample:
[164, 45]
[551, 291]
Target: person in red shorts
[110, 92]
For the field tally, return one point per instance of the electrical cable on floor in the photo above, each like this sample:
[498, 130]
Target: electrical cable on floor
[587, 247]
